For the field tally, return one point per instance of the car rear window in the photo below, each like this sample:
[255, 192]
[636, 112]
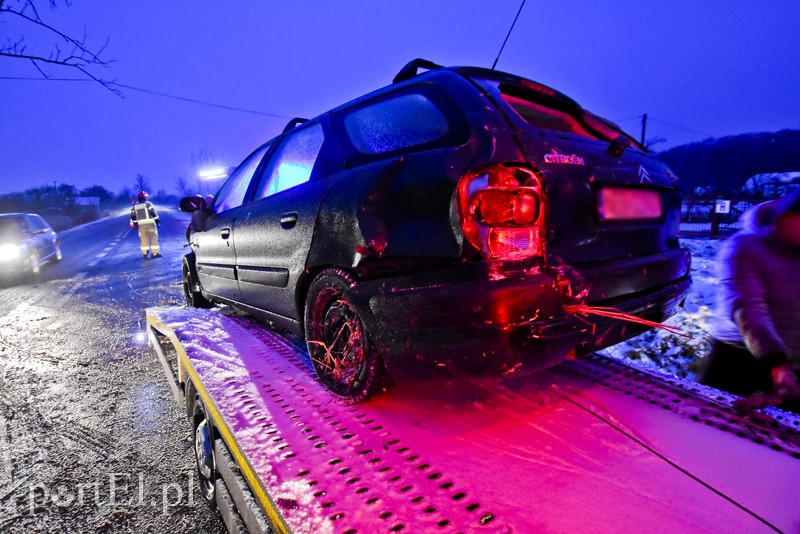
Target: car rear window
[397, 123]
[547, 112]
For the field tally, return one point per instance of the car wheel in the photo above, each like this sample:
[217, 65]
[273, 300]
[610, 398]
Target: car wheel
[191, 287]
[205, 460]
[33, 265]
[338, 343]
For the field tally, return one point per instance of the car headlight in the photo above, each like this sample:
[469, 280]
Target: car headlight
[10, 252]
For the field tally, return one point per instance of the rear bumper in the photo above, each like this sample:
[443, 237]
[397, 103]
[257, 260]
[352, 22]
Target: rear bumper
[595, 333]
[468, 318]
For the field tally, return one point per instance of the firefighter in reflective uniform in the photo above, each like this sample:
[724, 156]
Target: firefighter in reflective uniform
[145, 218]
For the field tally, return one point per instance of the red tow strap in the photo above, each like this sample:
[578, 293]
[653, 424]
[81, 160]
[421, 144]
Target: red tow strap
[613, 313]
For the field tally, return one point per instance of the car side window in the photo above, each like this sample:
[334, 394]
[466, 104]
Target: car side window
[38, 224]
[231, 194]
[400, 122]
[293, 161]
[32, 224]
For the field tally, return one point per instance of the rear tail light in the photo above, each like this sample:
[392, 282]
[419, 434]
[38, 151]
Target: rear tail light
[501, 209]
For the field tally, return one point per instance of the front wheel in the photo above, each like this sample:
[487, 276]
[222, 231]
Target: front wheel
[341, 352]
[191, 287]
[205, 460]
[34, 267]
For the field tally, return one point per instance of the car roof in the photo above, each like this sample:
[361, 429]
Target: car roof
[410, 74]
[19, 214]
[410, 71]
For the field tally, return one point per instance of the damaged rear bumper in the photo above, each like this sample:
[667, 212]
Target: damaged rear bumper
[467, 318]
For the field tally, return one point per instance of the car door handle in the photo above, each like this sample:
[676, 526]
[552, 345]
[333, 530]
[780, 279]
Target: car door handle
[225, 233]
[288, 220]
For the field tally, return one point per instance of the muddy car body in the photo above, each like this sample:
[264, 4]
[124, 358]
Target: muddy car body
[448, 221]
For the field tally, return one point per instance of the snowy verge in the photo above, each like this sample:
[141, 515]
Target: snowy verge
[668, 353]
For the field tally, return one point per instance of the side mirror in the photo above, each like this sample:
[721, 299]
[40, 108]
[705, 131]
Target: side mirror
[191, 204]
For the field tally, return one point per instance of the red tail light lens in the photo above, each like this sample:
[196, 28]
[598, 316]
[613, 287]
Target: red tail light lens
[505, 208]
[501, 212]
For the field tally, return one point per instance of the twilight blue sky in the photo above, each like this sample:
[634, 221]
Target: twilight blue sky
[712, 68]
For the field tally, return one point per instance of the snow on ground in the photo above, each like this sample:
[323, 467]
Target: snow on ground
[669, 353]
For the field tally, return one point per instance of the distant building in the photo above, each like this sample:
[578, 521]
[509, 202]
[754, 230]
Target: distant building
[86, 206]
[772, 185]
[86, 201]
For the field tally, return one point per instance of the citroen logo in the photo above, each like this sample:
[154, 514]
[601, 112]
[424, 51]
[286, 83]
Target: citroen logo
[644, 176]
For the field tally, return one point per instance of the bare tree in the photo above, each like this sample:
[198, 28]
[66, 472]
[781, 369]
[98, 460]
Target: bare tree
[202, 158]
[182, 185]
[76, 53]
[141, 184]
[98, 191]
[650, 142]
[126, 195]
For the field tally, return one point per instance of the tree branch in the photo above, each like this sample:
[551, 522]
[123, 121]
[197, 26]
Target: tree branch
[80, 45]
[80, 57]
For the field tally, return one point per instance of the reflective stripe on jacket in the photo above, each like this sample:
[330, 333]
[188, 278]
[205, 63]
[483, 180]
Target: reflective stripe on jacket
[144, 213]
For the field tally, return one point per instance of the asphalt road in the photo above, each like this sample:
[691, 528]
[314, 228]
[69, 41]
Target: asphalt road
[90, 437]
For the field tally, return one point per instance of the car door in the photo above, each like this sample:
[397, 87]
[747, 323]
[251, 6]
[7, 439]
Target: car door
[37, 240]
[274, 231]
[214, 246]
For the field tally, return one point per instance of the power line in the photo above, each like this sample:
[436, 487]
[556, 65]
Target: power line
[274, 115]
[628, 118]
[155, 93]
[680, 127]
[649, 118]
[508, 34]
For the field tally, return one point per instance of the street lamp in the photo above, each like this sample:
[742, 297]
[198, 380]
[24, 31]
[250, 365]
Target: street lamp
[216, 173]
[213, 174]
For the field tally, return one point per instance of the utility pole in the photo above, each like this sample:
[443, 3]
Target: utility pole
[644, 126]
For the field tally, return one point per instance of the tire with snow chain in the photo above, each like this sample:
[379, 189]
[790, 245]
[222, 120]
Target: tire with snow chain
[204, 455]
[338, 343]
[191, 286]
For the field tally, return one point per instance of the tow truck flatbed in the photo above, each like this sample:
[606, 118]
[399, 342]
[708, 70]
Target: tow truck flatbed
[588, 446]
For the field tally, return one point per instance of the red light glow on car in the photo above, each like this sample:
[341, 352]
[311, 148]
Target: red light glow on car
[501, 212]
[539, 88]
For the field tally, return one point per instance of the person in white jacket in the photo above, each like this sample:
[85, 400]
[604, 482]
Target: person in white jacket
[756, 327]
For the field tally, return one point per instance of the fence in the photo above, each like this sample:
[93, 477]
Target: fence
[702, 217]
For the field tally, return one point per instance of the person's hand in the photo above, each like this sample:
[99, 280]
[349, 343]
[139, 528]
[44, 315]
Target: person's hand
[785, 381]
[131, 224]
